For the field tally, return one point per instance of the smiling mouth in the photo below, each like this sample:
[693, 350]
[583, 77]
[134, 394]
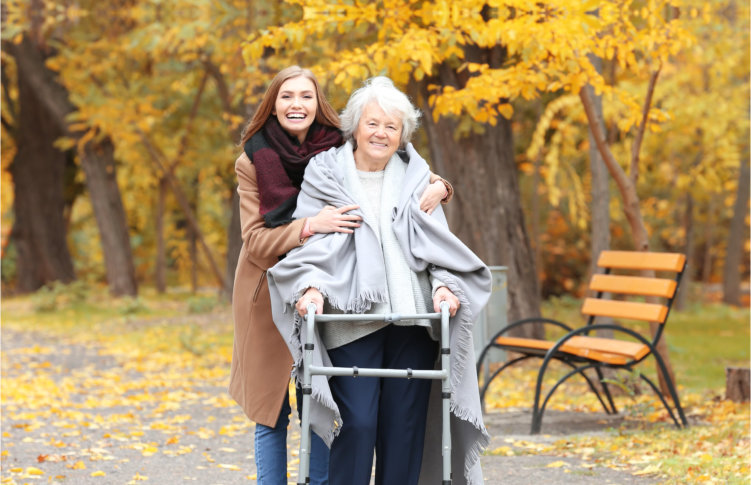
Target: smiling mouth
[296, 116]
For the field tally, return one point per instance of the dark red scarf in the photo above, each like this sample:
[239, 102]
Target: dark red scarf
[280, 162]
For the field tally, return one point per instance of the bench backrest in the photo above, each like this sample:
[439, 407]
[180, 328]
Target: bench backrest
[658, 292]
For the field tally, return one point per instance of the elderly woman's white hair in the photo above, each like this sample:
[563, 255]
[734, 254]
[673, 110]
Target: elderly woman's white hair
[392, 101]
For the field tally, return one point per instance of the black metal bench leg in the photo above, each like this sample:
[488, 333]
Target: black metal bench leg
[606, 390]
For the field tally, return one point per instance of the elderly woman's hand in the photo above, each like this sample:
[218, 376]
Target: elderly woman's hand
[444, 294]
[330, 219]
[432, 196]
[311, 295]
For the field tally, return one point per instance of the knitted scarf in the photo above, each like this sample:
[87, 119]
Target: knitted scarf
[280, 162]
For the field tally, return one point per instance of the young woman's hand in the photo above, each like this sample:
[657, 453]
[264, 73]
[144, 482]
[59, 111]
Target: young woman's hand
[444, 294]
[331, 219]
[311, 295]
[432, 196]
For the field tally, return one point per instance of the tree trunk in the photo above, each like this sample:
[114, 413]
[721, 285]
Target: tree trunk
[234, 241]
[688, 250]
[160, 270]
[486, 210]
[537, 246]
[709, 234]
[98, 162]
[39, 229]
[192, 241]
[731, 275]
[600, 206]
[737, 387]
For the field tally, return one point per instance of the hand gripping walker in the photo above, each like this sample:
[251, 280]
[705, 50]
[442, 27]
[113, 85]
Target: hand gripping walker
[309, 370]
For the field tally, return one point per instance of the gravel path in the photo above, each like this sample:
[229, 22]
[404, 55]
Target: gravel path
[72, 414]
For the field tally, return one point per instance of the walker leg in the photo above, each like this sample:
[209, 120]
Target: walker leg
[446, 394]
[303, 475]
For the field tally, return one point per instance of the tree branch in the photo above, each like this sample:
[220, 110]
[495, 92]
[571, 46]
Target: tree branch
[8, 127]
[643, 125]
[595, 125]
[9, 102]
[221, 85]
[626, 186]
[188, 124]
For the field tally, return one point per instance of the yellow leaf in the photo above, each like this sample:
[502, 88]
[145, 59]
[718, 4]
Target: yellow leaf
[506, 110]
[99, 473]
[229, 467]
[648, 470]
[149, 450]
[34, 471]
[557, 464]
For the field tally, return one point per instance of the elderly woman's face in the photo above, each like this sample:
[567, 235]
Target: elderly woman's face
[377, 135]
[296, 105]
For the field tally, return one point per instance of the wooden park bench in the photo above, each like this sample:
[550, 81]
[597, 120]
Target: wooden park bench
[636, 296]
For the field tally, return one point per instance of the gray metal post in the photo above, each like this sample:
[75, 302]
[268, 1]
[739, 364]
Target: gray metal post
[446, 393]
[492, 318]
[303, 475]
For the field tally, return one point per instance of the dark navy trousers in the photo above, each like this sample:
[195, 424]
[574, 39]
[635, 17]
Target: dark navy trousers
[382, 414]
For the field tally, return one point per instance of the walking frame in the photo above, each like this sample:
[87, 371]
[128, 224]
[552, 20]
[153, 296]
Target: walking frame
[309, 370]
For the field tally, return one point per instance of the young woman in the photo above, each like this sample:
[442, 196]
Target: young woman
[293, 122]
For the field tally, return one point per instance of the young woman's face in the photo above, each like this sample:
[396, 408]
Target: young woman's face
[296, 106]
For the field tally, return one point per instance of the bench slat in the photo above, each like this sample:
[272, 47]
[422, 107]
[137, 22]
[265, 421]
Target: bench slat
[633, 285]
[648, 312]
[611, 351]
[641, 260]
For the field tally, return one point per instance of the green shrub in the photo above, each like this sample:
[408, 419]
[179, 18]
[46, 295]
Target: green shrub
[202, 304]
[57, 295]
[131, 306]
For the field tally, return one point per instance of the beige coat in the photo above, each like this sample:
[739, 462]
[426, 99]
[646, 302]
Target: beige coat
[261, 362]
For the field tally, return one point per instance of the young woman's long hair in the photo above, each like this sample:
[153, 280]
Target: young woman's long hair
[325, 114]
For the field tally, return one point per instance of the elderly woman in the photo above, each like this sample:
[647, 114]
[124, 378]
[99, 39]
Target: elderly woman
[400, 260]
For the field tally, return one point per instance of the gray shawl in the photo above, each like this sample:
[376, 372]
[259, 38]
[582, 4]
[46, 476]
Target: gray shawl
[348, 269]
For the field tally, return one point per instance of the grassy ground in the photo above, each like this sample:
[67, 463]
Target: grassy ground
[196, 331]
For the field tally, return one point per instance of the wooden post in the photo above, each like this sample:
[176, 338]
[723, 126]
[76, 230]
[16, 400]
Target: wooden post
[737, 384]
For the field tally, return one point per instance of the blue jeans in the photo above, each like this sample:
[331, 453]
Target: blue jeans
[271, 452]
